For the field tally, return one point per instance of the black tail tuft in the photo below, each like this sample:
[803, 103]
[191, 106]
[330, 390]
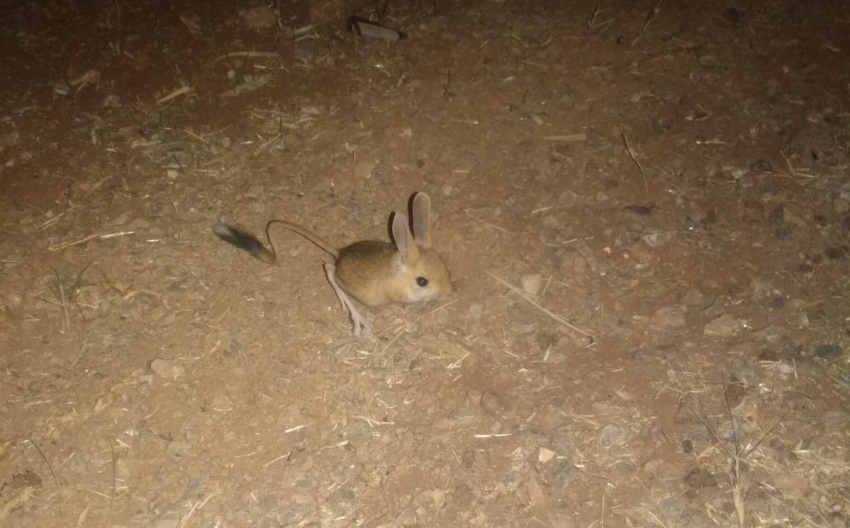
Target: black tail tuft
[240, 238]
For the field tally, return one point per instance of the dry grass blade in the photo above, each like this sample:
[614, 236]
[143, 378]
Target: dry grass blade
[63, 245]
[81, 519]
[544, 310]
[633, 155]
[55, 480]
[183, 90]
[568, 138]
[17, 501]
[739, 460]
[649, 17]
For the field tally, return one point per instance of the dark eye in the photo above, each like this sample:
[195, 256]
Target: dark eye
[421, 281]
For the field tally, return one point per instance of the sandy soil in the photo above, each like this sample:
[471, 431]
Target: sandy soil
[645, 208]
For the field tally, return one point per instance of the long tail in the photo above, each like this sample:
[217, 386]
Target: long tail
[245, 241]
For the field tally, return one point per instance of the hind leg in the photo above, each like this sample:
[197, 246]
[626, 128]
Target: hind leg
[361, 325]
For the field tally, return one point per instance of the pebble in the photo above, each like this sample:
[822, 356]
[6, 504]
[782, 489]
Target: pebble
[296, 508]
[700, 478]
[774, 333]
[461, 414]
[827, 352]
[535, 493]
[653, 237]
[562, 474]
[492, 403]
[259, 17]
[545, 455]
[668, 318]
[693, 297]
[235, 346]
[531, 283]
[792, 487]
[177, 450]
[612, 435]
[222, 403]
[724, 326]
[748, 372]
[734, 394]
[363, 170]
[563, 444]
[166, 369]
[672, 508]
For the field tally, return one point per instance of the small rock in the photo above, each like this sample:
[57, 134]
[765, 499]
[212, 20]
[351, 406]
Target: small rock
[668, 318]
[774, 333]
[111, 101]
[580, 265]
[235, 346]
[724, 326]
[531, 283]
[546, 340]
[653, 237]
[693, 297]
[791, 486]
[522, 328]
[363, 170]
[8, 139]
[672, 508]
[343, 498]
[120, 219]
[761, 289]
[260, 17]
[568, 199]
[294, 509]
[545, 455]
[535, 493]
[700, 478]
[794, 218]
[177, 450]
[783, 233]
[826, 352]
[761, 166]
[166, 369]
[461, 414]
[563, 444]
[664, 471]
[513, 479]
[562, 474]
[222, 403]
[492, 403]
[734, 394]
[612, 435]
[139, 224]
[748, 372]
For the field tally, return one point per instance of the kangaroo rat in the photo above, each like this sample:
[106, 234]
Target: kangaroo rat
[371, 272]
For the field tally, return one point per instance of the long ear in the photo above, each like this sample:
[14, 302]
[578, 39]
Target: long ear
[421, 210]
[404, 240]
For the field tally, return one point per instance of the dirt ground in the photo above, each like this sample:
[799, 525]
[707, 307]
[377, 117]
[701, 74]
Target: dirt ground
[645, 208]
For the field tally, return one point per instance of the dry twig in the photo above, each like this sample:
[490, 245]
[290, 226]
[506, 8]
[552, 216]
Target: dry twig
[63, 245]
[633, 155]
[557, 318]
[649, 17]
